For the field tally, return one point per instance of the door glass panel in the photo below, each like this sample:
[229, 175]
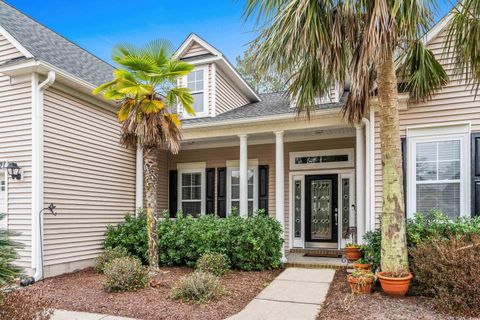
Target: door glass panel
[297, 226]
[321, 197]
[345, 206]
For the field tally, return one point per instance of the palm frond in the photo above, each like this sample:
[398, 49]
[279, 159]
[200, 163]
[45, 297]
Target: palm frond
[463, 40]
[182, 96]
[160, 50]
[422, 73]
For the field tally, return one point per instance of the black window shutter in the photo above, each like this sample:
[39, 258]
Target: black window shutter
[475, 172]
[263, 188]
[222, 192]
[173, 193]
[210, 190]
[404, 169]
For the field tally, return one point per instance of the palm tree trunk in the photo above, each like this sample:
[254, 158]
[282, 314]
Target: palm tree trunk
[394, 243]
[151, 183]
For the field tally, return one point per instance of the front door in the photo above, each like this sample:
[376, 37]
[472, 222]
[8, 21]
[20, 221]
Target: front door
[321, 210]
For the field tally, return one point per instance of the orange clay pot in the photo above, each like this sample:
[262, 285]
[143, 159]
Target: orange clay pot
[362, 266]
[363, 286]
[396, 287]
[353, 254]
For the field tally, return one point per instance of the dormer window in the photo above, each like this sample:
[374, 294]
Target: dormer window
[197, 82]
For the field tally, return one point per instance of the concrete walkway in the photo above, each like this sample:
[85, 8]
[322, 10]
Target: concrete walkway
[73, 315]
[295, 294]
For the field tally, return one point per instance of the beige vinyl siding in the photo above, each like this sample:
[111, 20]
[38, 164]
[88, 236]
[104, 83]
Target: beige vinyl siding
[87, 174]
[454, 103]
[265, 153]
[195, 49]
[7, 50]
[16, 146]
[227, 96]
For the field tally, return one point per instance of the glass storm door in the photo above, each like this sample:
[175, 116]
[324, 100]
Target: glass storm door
[321, 211]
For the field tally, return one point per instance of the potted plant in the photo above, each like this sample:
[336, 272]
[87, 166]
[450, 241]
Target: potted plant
[361, 281]
[395, 283]
[353, 252]
[362, 264]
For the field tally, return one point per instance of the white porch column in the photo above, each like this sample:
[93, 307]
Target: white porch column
[280, 185]
[139, 179]
[360, 185]
[243, 210]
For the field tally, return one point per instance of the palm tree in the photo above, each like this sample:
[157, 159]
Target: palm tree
[145, 89]
[318, 43]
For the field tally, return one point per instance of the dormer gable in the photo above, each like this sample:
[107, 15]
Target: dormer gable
[215, 84]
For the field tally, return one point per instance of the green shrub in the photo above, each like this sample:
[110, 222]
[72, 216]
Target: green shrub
[131, 235]
[108, 256]
[251, 243]
[449, 270]
[372, 248]
[124, 274]
[198, 287]
[8, 254]
[215, 263]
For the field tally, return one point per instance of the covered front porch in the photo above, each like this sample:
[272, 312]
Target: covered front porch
[310, 175]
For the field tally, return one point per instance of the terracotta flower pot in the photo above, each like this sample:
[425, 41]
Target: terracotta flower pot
[362, 266]
[353, 253]
[396, 287]
[360, 285]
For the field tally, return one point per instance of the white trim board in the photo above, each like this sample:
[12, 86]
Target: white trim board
[15, 43]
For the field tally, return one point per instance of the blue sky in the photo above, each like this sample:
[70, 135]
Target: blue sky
[98, 25]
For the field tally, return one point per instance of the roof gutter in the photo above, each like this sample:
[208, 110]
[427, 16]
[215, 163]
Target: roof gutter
[37, 174]
[284, 116]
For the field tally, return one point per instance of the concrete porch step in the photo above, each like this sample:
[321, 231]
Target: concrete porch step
[318, 252]
[299, 260]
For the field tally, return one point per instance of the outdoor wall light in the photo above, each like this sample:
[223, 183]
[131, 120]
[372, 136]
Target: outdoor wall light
[14, 171]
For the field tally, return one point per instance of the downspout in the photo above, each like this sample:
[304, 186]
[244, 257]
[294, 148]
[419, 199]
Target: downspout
[368, 180]
[37, 174]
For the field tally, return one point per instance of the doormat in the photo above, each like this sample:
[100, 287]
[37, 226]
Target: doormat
[323, 253]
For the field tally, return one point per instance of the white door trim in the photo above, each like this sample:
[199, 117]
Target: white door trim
[300, 175]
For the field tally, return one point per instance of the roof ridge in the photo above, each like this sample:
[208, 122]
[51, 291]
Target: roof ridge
[55, 32]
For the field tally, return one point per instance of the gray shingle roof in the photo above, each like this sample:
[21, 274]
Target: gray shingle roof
[272, 104]
[46, 45]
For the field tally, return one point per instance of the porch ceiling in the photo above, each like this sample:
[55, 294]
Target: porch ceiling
[269, 137]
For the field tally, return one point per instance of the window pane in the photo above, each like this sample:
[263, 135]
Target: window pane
[250, 191]
[199, 86]
[236, 205]
[198, 102]
[196, 193]
[235, 192]
[196, 179]
[186, 193]
[186, 179]
[199, 75]
[250, 208]
[449, 150]
[193, 208]
[426, 171]
[250, 176]
[444, 197]
[191, 77]
[449, 170]
[235, 177]
[191, 86]
[426, 151]
[297, 227]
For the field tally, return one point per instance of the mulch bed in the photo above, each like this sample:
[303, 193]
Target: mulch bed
[83, 291]
[342, 304]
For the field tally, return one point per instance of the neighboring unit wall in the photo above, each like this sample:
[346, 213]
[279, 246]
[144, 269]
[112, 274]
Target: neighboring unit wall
[265, 153]
[454, 103]
[227, 96]
[88, 175]
[16, 146]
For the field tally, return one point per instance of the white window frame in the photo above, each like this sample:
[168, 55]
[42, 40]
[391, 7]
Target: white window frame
[205, 112]
[324, 165]
[229, 187]
[460, 132]
[187, 169]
